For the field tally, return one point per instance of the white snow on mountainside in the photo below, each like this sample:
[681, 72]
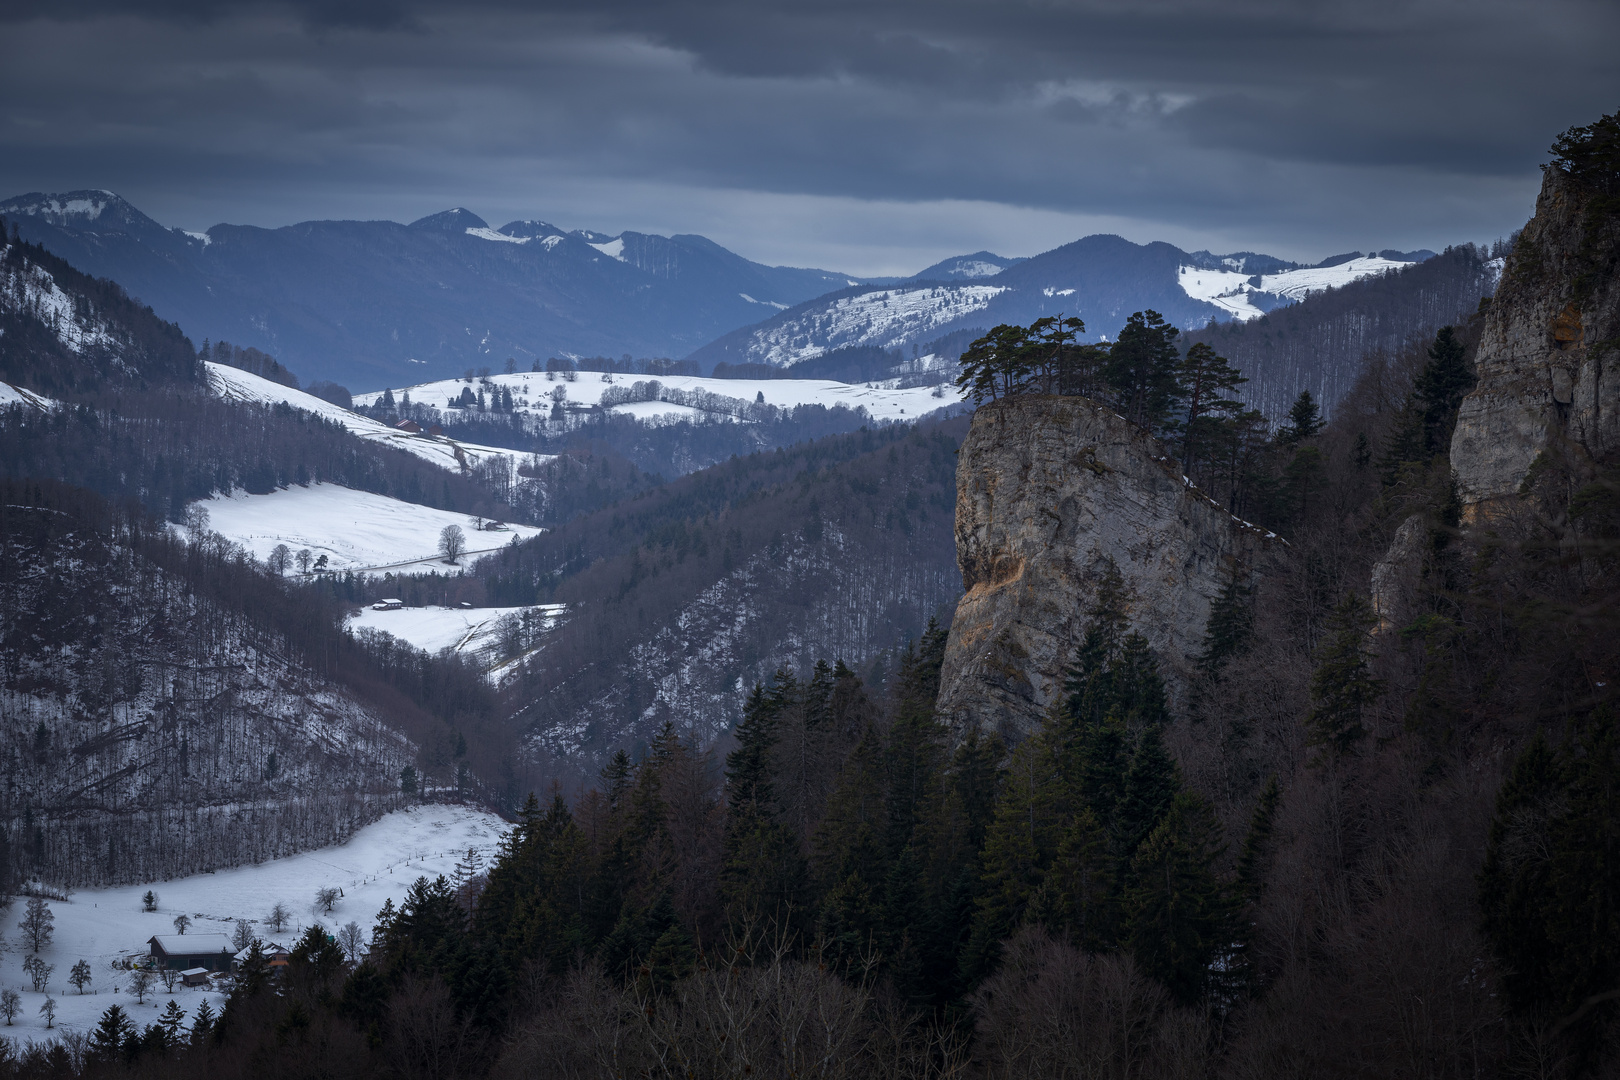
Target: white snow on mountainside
[355, 530]
[229, 382]
[884, 318]
[103, 926]
[685, 397]
[17, 395]
[464, 630]
[1230, 290]
[27, 287]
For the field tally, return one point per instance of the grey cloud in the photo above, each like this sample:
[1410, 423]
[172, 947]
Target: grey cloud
[1305, 123]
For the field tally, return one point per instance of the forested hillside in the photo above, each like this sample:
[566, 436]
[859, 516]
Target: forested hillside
[687, 594]
[1320, 343]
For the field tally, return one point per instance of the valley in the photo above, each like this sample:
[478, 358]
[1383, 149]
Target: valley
[585, 654]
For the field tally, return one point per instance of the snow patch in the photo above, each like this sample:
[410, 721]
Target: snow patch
[463, 630]
[1230, 290]
[238, 385]
[491, 234]
[204, 237]
[379, 862]
[16, 395]
[613, 249]
[531, 395]
[355, 530]
[885, 318]
[767, 303]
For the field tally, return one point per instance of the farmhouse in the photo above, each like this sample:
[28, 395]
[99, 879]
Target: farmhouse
[390, 604]
[409, 426]
[182, 951]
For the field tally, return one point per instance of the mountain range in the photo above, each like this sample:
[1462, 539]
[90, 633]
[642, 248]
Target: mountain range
[377, 303]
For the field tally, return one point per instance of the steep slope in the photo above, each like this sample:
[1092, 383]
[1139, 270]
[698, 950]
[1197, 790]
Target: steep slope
[1548, 347]
[375, 303]
[64, 332]
[1054, 493]
[152, 730]
[1101, 279]
[682, 598]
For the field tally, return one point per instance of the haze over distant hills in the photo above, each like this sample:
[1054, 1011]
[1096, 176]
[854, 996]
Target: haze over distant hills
[376, 303]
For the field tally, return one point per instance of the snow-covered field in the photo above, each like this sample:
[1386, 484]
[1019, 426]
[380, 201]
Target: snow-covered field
[355, 530]
[532, 393]
[1229, 289]
[379, 863]
[229, 382]
[466, 630]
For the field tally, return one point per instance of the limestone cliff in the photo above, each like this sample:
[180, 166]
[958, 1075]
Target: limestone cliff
[1549, 353]
[1048, 490]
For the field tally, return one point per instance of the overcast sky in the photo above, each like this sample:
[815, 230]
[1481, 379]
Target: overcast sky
[868, 136]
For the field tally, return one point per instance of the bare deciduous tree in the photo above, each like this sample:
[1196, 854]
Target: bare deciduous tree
[181, 922]
[452, 542]
[326, 899]
[38, 972]
[140, 984]
[79, 975]
[352, 940]
[36, 924]
[10, 1004]
[279, 917]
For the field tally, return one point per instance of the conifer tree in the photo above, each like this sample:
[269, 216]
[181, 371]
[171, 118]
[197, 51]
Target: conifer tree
[763, 873]
[1206, 378]
[1440, 387]
[1304, 420]
[1142, 370]
[1230, 625]
[1179, 911]
[1342, 685]
[997, 365]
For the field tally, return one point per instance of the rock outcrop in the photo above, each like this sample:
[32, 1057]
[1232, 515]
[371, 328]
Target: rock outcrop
[1549, 352]
[1049, 490]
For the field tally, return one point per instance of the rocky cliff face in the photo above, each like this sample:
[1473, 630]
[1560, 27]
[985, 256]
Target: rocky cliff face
[1549, 354]
[1048, 491]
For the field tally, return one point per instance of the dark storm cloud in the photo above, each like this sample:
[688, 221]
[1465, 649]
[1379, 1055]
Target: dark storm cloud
[1298, 126]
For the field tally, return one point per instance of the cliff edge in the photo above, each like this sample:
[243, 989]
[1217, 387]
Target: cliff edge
[1048, 491]
[1549, 348]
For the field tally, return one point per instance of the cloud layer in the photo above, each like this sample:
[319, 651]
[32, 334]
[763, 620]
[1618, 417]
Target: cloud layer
[871, 136]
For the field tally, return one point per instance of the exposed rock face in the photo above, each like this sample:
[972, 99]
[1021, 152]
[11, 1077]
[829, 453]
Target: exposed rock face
[1048, 490]
[1549, 354]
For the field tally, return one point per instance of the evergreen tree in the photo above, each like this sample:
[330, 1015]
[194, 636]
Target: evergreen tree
[763, 874]
[1206, 378]
[1304, 420]
[997, 365]
[1440, 387]
[110, 1034]
[1143, 368]
[1179, 911]
[1342, 685]
[1230, 626]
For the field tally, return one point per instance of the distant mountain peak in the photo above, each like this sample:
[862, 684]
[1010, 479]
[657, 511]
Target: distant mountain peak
[92, 209]
[980, 264]
[458, 220]
[530, 229]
